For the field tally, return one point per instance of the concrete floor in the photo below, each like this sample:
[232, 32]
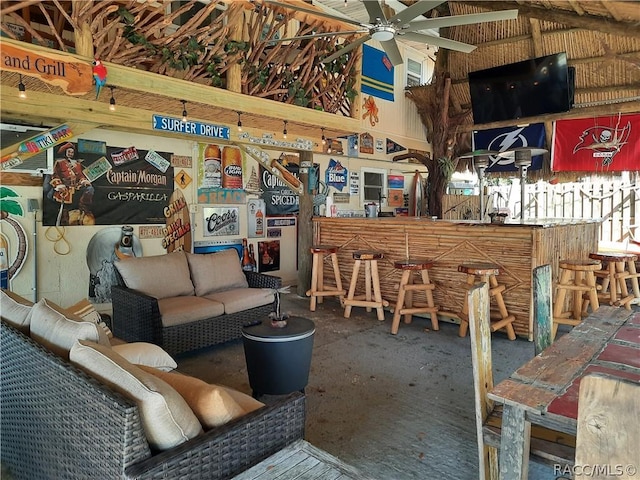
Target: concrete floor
[396, 407]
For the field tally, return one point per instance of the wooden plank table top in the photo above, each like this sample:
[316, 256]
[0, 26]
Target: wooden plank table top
[301, 461]
[544, 391]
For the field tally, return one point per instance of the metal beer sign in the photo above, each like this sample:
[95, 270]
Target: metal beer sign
[199, 129]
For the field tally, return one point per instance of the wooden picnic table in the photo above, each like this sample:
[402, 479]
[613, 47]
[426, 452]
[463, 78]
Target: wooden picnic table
[544, 391]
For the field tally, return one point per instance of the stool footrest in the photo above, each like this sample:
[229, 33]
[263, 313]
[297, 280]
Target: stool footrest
[578, 288]
[359, 302]
[497, 325]
[416, 287]
[418, 309]
[325, 293]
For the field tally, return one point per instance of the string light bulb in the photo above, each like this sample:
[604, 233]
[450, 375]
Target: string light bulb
[284, 131]
[112, 100]
[324, 139]
[184, 110]
[239, 121]
[22, 90]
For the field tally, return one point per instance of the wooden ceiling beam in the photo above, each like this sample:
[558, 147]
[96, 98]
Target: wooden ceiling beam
[590, 22]
[595, 111]
[154, 84]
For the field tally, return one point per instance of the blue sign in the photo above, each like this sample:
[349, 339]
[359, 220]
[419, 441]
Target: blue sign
[200, 129]
[336, 175]
[506, 138]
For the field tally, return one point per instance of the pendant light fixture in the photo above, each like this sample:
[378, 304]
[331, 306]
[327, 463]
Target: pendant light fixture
[112, 100]
[184, 110]
[239, 121]
[22, 90]
[324, 139]
[284, 131]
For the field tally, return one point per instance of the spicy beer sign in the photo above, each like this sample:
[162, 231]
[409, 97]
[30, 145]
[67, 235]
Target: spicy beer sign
[74, 77]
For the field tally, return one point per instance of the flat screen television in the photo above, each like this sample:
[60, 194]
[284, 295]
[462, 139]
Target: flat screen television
[523, 89]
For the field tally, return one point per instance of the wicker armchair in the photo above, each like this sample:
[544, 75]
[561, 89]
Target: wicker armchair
[57, 422]
[136, 318]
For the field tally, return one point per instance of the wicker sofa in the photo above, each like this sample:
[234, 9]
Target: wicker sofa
[59, 422]
[183, 301]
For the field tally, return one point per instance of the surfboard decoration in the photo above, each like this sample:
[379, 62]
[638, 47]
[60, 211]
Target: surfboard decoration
[416, 197]
[177, 235]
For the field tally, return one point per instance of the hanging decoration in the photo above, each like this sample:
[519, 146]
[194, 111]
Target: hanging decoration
[601, 144]
[509, 138]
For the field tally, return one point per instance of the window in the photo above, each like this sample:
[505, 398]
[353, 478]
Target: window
[414, 73]
[14, 134]
[374, 185]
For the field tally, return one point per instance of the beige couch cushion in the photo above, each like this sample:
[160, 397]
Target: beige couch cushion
[58, 330]
[240, 299]
[214, 405]
[167, 419]
[181, 310]
[142, 353]
[160, 276]
[215, 272]
[15, 310]
[87, 311]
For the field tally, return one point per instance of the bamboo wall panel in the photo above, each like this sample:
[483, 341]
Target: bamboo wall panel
[515, 247]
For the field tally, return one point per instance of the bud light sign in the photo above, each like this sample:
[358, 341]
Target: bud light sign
[336, 175]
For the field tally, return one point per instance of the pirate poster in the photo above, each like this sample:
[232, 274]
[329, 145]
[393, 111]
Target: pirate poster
[123, 186]
[601, 144]
[508, 138]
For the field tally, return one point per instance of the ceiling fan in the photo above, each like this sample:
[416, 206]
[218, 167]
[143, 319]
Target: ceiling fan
[399, 26]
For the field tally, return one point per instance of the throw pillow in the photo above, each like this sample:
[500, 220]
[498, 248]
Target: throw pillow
[149, 354]
[15, 310]
[85, 310]
[214, 405]
[160, 276]
[215, 272]
[57, 330]
[166, 418]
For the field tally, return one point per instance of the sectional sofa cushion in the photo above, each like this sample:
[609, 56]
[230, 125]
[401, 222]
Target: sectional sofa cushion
[238, 299]
[87, 311]
[215, 272]
[15, 310]
[149, 354]
[160, 276]
[166, 418]
[181, 310]
[214, 405]
[57, 330]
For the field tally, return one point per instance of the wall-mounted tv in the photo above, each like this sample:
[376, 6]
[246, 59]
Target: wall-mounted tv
[522, 89]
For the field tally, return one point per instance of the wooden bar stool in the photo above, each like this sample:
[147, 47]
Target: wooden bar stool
[614, 277]
[405, 304]
[372, 281]
[318, 289]
[486, 272]
[577, 276]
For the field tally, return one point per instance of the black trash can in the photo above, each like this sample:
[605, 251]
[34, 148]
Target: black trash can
[278, 359]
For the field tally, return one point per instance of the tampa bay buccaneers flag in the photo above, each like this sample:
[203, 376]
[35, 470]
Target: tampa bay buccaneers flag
[601, 144]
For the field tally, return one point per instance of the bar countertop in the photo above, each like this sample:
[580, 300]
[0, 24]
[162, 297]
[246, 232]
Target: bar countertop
[516, 247]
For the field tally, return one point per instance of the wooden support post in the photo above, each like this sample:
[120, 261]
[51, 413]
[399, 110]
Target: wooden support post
[542, 307]
[305, 228]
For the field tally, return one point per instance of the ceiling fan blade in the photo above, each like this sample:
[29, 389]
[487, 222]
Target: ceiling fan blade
[348, 48]
[316, 35]
[418, 8]
[392, 51]
[314, 12]
[437, 41]
[375, 11]
[462, 20]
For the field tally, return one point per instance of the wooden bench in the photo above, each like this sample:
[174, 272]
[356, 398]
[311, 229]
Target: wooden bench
[547, 446]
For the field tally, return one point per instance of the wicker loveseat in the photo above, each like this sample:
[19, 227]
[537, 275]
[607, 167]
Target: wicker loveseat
[183, 301]
[59, 422]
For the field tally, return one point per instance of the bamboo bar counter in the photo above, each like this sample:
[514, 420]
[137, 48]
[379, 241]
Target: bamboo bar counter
[516, 247]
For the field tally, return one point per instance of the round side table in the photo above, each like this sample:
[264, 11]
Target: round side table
[278, 359]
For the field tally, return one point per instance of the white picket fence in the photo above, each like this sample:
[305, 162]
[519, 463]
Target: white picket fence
[615, 202]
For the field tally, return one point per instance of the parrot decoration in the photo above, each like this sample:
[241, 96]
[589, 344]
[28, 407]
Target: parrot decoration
[99, 75]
